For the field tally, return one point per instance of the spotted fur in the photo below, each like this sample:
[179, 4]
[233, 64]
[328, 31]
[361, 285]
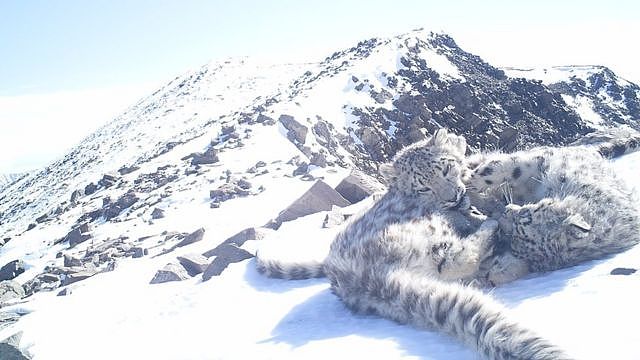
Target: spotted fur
[566, 206]
[404, 258]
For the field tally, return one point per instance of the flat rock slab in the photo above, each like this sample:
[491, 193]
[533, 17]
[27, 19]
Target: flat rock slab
[252, 233]
[11, 270]
[228, 254]
[194, 263]
[170, 272]
[320, 197]
[191, 238]
[622, 271]
[358, 186]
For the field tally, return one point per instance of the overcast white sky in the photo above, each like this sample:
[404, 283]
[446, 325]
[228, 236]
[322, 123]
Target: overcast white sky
[69, 66]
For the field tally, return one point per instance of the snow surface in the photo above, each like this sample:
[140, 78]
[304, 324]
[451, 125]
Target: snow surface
[241, 314]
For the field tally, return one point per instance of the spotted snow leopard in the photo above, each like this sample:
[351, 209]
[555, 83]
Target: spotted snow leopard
[557, 207]
[403, 258]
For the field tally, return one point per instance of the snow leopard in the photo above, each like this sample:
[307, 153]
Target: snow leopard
[406, 258]
[557, 207]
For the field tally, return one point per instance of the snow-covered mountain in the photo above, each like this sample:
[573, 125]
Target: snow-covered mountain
[196, 173]
[599, 96]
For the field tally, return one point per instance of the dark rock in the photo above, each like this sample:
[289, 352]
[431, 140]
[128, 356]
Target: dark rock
[239, 239]
[42, 282]
[301, 169]
[297, 132]
[227, 254]
[71, 261]
[192, 238]
[194, 263]
[157, 214]
[78, 235]
[108, 180]
[139, 252]
[229, 191]
[10, 350]
[127, 170]
[90, 189]
[208, 157]
[358, 186]
[10, 290]
[265, 120]
[125, 201]
[75, 196]
[78, 276]
[320, 197]
[31, 226]
[170, 272]
[319, 159]
[65, 292]
[11, 270]
[622, 271]
[43, 218]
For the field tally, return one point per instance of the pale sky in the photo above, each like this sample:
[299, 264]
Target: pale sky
[69, 66]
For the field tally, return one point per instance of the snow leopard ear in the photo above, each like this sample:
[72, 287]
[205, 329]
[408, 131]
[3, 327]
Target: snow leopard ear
[578, 225]
[388, 172]
[440, 137]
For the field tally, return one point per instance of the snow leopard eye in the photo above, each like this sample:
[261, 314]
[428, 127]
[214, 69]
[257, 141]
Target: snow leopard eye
[424, 190]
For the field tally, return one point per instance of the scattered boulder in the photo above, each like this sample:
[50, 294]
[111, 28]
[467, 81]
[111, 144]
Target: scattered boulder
[74, 277]
[320, 197]
[231, 189]
[78, 235]
[108, 180]
[265, 120]
[11, 270]
[622, 271]
[42, 282]
[75, 196]
[208, 157]
[194, 263]
[239, 239]
[296, 132]
[125, 201]
[157, 213]
[227, 254]
[70, 261]
[65, 292]
[138, 252]
[170, 272]
[90, 189]
[301, 169]
[127, 169]
[31, 226]
[191, 238]
[358, 186]
[10, 290]
[10, 350]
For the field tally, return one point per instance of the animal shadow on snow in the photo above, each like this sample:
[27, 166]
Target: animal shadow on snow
[323, 316]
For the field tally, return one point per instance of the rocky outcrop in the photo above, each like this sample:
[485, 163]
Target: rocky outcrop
[320, 197]
[358, 186]
[170, 272]
[11, 270]
[10, 290]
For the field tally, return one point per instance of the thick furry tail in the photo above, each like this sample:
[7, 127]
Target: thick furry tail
[290, 271]
[466, 313]
[612, 143]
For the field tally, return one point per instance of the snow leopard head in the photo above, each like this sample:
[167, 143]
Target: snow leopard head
[431, 170]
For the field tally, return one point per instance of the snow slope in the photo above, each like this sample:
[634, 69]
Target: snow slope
[277, 127]
[243, 315]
